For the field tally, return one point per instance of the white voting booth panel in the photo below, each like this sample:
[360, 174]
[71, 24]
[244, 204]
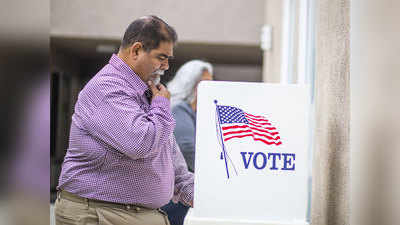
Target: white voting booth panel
[251, 154]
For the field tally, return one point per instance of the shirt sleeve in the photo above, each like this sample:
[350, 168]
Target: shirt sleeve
[185, 135]
[184, 180]
[119, 121]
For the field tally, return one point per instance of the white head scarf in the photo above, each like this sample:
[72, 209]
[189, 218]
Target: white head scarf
[182, 87]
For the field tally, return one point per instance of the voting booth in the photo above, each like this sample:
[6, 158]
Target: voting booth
[252, 154]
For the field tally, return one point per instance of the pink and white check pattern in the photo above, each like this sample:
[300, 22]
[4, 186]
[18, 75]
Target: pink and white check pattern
[121, 148]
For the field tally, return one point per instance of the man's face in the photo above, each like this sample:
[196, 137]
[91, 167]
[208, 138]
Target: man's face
[151, 65]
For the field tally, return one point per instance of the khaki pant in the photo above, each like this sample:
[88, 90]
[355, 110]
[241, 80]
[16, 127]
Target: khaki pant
[74, 210]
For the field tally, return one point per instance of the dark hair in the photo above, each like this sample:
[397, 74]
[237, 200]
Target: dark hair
[150, 31]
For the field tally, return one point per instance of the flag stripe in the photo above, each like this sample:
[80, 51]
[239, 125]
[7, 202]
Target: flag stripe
[235, 126]
[268, 143]
[254, 115]
[268, 128]
[258, 122]
[254, 133]
[236, 132]
[267, 136]
[266, 131]
[256, 139]
[225, 127]
[238, 136]
[256, 119]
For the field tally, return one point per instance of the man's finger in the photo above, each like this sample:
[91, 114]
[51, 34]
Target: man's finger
[161, 87]
[152, 87]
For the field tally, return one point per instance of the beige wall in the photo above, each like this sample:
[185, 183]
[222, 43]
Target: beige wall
[375, 110]
[272, 58]
[222, 31]
[206, 21]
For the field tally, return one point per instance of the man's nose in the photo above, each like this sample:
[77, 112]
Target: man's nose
[164, 65]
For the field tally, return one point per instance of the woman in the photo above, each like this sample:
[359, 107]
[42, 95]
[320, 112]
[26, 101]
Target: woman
[183, 89]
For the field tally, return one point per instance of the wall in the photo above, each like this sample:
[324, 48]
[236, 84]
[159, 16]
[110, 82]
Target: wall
[375, 110]
[207, 21]
[272, 58]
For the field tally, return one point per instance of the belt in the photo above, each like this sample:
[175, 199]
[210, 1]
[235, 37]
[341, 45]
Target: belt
[75, 198]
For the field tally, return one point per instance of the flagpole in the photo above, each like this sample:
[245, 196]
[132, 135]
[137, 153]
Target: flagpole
[220, 135]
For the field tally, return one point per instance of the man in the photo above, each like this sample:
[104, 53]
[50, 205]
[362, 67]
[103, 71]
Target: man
[123, 162]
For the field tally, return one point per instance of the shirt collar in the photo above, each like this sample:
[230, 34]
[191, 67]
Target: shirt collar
[128, 74]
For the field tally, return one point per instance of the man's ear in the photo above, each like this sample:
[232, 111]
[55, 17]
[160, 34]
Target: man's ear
[135, 49]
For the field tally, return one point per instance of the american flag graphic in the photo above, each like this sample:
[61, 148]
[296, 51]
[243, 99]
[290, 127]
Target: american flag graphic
[235, 123]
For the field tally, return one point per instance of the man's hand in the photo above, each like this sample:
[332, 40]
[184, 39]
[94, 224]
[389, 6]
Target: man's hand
[159, 90]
